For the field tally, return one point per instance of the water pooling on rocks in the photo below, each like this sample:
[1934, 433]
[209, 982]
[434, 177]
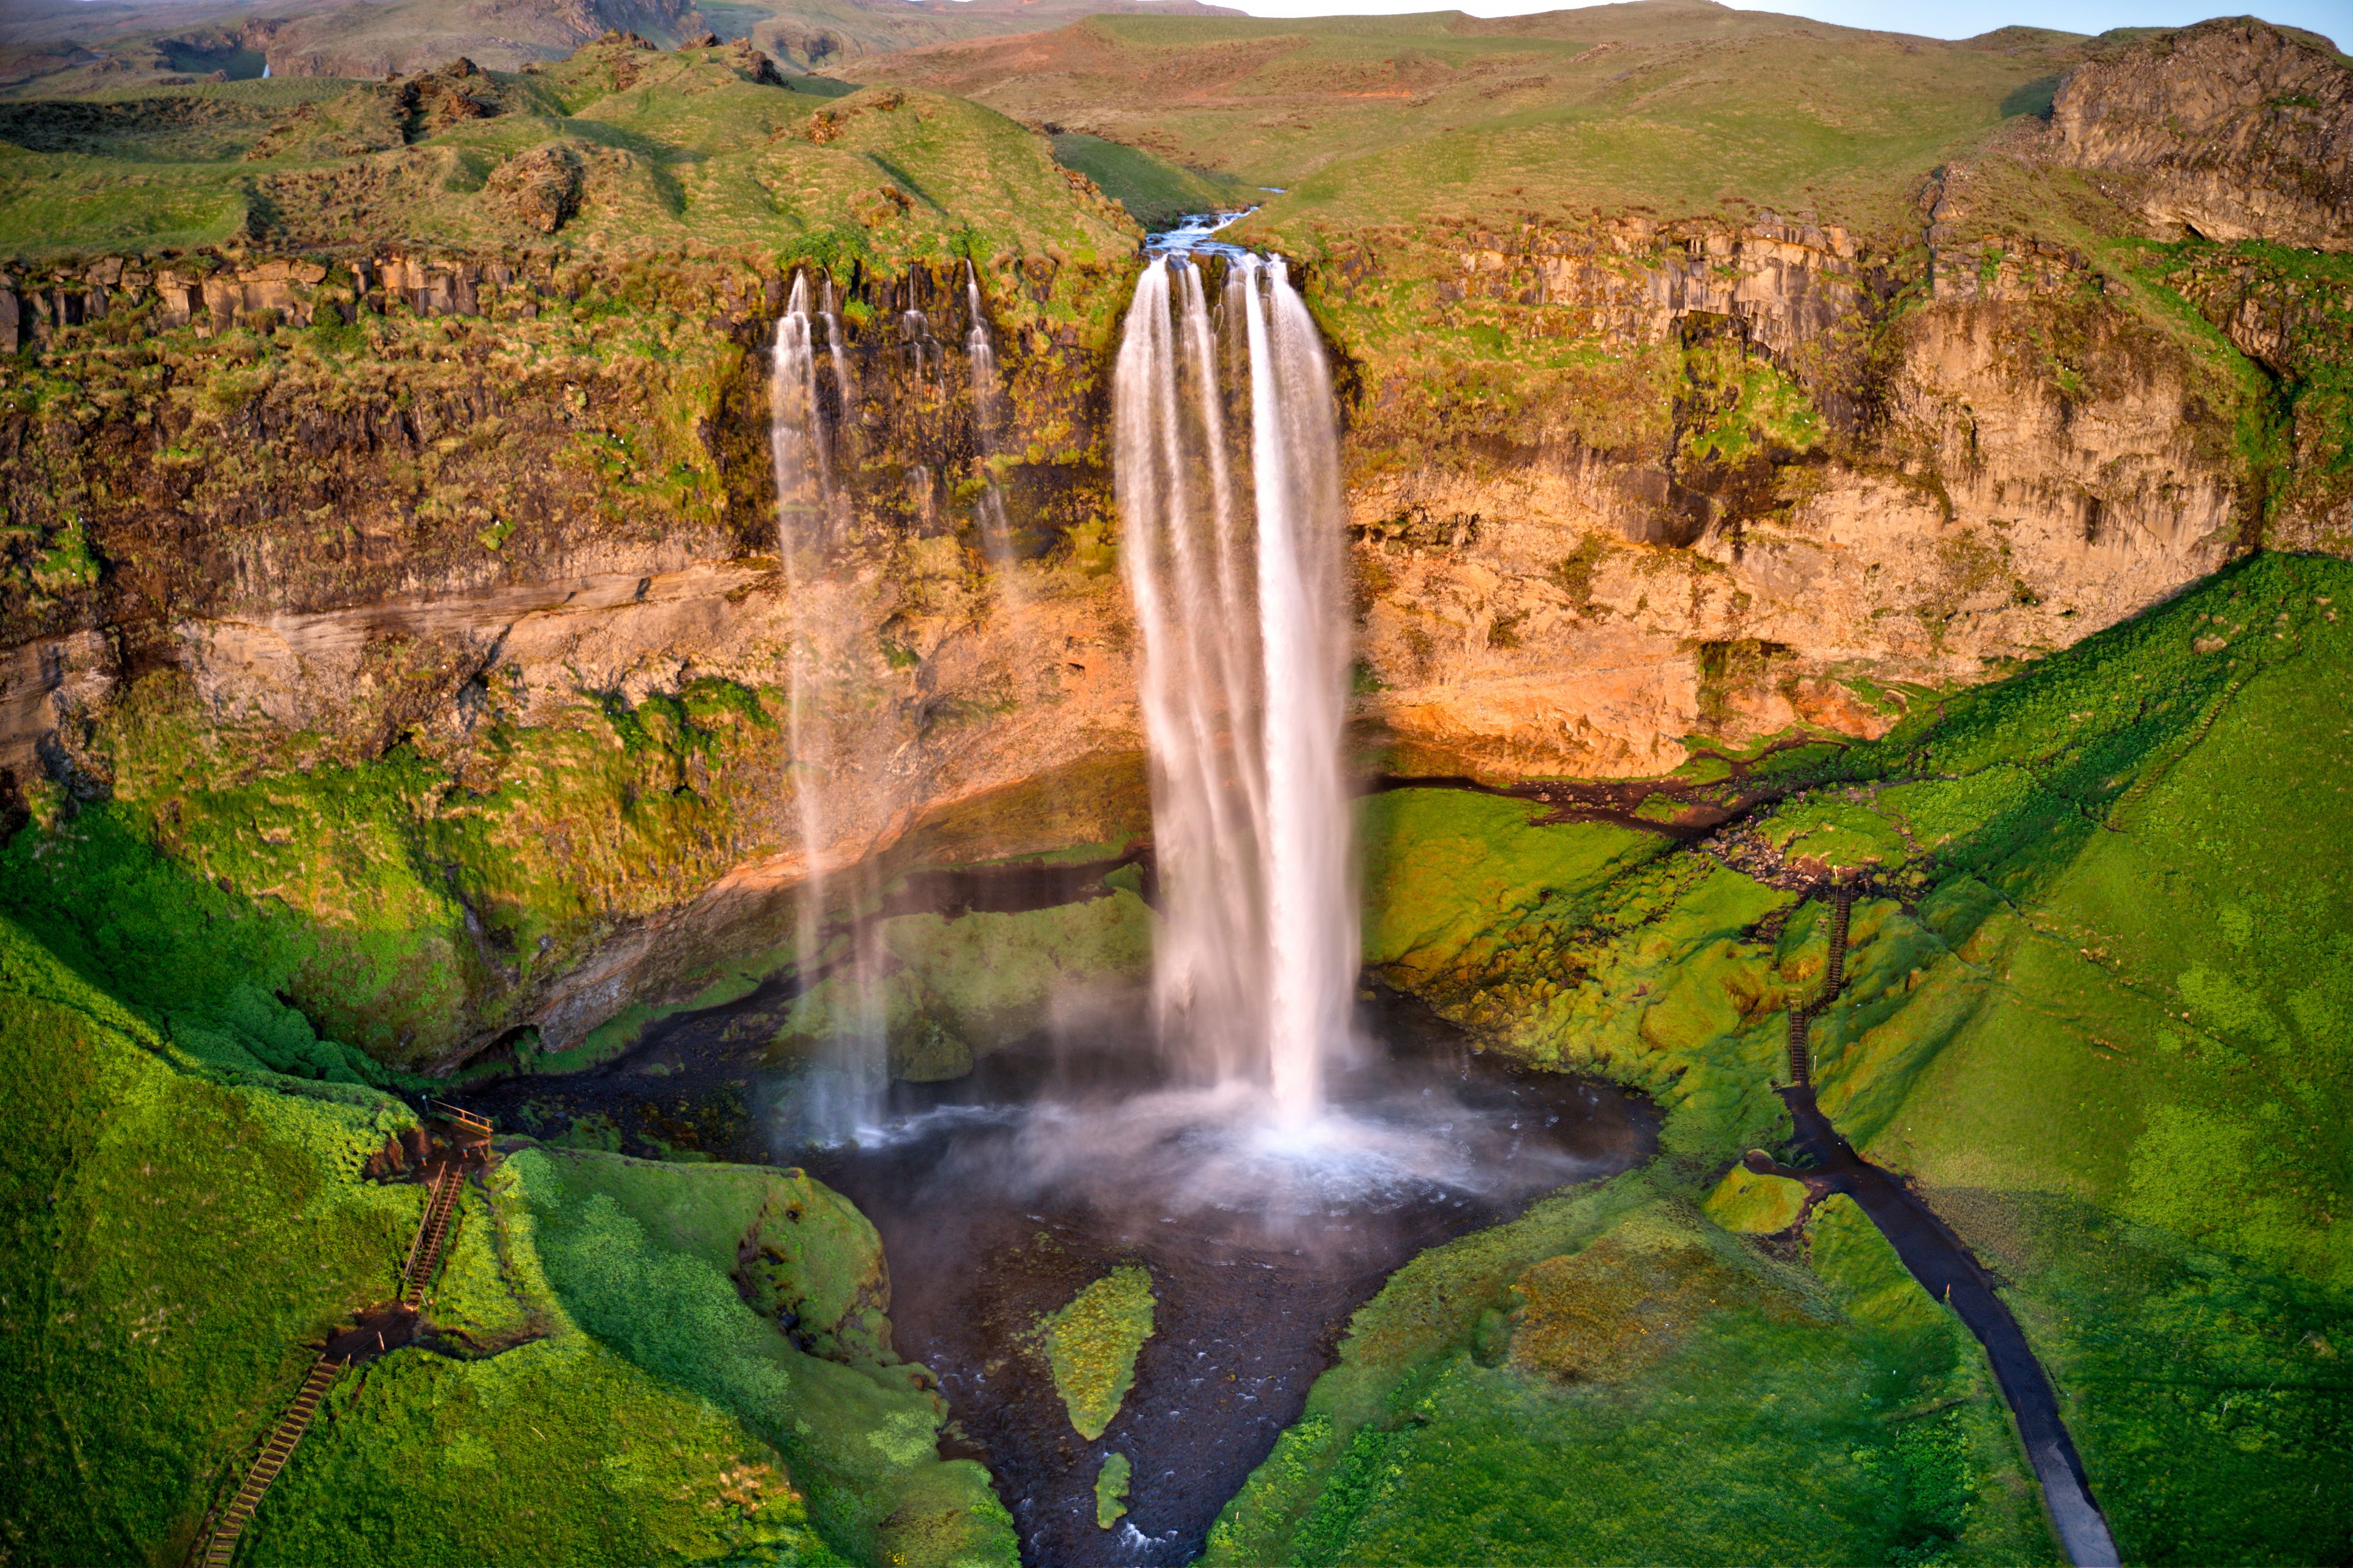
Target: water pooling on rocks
[1001, 1194]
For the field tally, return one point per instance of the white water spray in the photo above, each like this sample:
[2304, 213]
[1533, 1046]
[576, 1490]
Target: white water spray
[1245, 638]
[808, 524]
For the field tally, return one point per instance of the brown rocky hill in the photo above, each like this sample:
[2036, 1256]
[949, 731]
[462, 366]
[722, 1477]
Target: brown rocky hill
[2231, 129]
[374, 39]
[50, 48]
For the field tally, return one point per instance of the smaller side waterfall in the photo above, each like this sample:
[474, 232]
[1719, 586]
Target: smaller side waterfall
[839, 358]
[810, 518]
[980, 349]
[797, 432]
[1225, 467]
[924, 356]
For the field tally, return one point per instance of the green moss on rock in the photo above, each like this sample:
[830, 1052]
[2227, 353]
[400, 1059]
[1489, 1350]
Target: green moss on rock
[1111, 1491]
[1092, 1343]
[1610, 1378]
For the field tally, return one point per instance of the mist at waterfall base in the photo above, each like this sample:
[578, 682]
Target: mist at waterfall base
[1226, 473]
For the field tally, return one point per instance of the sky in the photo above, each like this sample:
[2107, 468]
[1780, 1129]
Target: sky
[1932, 19]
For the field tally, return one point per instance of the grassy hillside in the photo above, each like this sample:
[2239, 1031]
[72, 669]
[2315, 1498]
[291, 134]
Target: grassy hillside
[657, 151]
[1663, 105]
[1612, 1379]
[831, 33]
[2098, 1006]
[1154, 191]
[175, 1229]
[184, 1221]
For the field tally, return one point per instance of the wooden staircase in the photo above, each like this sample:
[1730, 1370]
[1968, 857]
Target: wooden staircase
[462, 1118]
[274, 1454]
[1802, 1016]
[425, 1254]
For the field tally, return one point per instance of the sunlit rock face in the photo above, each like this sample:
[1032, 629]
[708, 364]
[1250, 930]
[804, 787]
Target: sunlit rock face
[1806, 493]
[2232, 129]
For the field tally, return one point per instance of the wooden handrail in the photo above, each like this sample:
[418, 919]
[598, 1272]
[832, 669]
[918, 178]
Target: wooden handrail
[461, 1116]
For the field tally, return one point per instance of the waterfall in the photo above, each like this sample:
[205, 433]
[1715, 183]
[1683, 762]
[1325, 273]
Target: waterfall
[849, 1086]
[839, 358]
[1232, 550]
[995, 534]
[915, 332]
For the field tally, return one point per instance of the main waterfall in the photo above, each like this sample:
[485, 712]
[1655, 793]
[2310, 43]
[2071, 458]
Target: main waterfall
[1232, 550]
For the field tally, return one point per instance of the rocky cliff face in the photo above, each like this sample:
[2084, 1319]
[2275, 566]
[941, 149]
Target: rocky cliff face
[2233, 130]
[429, 598]
[510, 522]
[1720, 481]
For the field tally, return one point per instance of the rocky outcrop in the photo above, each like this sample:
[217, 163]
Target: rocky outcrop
[542, 187]
[1786, 474]
[1786, 283]
[2231, 129]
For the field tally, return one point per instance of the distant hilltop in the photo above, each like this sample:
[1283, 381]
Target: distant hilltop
[61, 47]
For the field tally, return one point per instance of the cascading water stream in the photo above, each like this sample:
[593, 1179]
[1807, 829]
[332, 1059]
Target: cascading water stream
[915, 332]
[839, 358]
[980, 349]
[1245, 645]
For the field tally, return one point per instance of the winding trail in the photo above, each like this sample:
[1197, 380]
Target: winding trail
[1702, 807]
[1946, 1270]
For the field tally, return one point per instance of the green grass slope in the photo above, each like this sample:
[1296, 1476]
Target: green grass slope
[1611, 1379]
[229, 874]
[180, 1224]
[174, 1232]
[1665, 104]
[1154, 192]
[2097, 1007]
[672, 149]
[2134, 1098]
[707, 1431]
